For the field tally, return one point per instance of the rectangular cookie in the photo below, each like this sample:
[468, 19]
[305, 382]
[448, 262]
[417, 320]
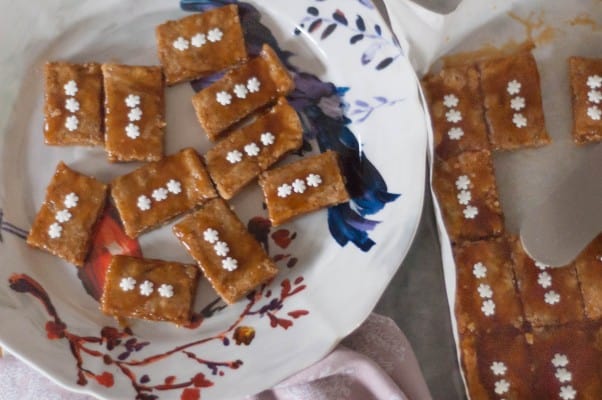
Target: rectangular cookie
[134, 112]
[550, 296]
[497, 366]
[200, 44]
[513, 106]
[467, 192]
[229, 256]
[159, 191]
[73, 104]
[589, 272]
[304, 186]
[154, 290]
[585, 75]
[245, 153]
[486, 297]
[456, 107]
[567, 363]
[65, 222]
[241, 91]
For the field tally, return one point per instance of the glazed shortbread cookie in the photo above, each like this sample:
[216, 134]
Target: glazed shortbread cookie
[241, 91]
[457, 113]
[466, 188]
[550, 295]
[149, 289]
[497, 366]
[513, 106]
[134, 112]
[589, 272]
[486, 297]
[566, 363]
[586, 87]
[66, 220]
[303, 186]
[230, 257]
[73, 104]
[157, 192]
[201, 44]
[240, 157]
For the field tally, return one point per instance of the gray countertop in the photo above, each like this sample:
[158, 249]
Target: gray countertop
[416, 297]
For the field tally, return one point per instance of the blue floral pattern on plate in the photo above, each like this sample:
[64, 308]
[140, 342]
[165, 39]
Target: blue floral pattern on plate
[321, 108]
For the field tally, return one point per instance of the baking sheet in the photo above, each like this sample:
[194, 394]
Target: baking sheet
[480, 28]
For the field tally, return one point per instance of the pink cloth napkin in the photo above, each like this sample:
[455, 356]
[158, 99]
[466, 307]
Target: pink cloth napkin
[374, 362]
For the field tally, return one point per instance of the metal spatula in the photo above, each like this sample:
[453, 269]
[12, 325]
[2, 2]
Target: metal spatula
[559, 228]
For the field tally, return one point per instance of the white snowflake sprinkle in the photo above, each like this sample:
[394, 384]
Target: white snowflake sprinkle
[127, 284]
[221, 248]
[71, 200]
[132, 130]
[455, 133]
[70, 88]
[560, 360]
[594, 113]
[252, 150]
[284, 190]
[450, 101]
[55, 230]
[479, 270]
[470, 212]
[594, 96]
[135, 114]
[544, 279]
[71, 123]
[144, 203]
[180, 44]
[513, 87]
[229, 264]
[519, 120]
[215, 35]
[485, 291]
[223, 98]
[453, 116]
[210, 235]
[165, 290]
[267, 138]
[567, 392]
[463, 182]
[72, 105]
[132, 100]
[198, 40]
[253, 85]
[160, 194]
[517, 103]
[502, 386]
[63, 216]
[488, 307]
[299, 186]
[541, 266]
[240, 91]
[563, 375]
[146, 288]
[551, 297]
[594, 81]
[313, 180]
[234, 156]
[464, 197]
[498, 368]
[174, 186]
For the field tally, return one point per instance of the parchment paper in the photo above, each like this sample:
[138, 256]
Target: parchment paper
[557, 29]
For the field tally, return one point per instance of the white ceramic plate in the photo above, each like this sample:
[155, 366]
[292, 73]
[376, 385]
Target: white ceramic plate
[356, 94]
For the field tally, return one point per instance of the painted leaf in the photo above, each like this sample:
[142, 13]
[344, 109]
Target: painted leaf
[339, 16]
[384, 63]
[314, 25]
[356, 38]
[328, 31]
[359, 22]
